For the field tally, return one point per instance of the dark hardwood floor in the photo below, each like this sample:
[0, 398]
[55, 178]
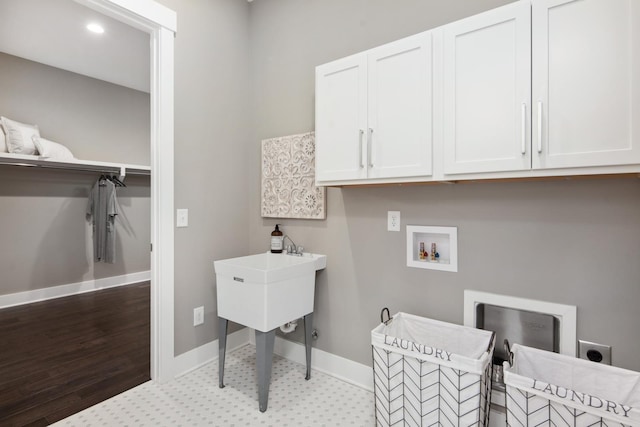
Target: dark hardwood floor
[60, 356]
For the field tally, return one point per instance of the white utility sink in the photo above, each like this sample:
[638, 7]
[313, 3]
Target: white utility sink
[267, 290]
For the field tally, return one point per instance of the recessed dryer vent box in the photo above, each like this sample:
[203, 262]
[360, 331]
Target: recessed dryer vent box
[446, 246]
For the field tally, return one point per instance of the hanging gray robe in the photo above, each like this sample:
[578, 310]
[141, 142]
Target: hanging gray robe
[102, 211]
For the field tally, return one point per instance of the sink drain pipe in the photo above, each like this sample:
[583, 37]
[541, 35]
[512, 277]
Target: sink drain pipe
[289, 326]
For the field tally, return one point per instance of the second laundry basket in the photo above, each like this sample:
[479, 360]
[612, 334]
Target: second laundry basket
[545, 388]
[428, 372]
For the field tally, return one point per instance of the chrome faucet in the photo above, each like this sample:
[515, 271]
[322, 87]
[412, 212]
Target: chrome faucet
[292, 249]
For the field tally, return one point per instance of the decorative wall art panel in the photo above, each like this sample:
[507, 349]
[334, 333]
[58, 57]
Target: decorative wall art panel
[288, 178]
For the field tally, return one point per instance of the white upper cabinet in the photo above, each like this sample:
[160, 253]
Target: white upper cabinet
[486, 77]
[341, 119]
[399, 111]
[534, 88]
[586, 83]
[374, 113]
[546, 84]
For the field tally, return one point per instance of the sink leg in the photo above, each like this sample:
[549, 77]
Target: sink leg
[222, 346]
[264, 358]
[308, 329]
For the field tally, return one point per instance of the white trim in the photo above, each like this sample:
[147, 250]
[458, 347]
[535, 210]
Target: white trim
[141, 14]
[35, 295]
[162, 192]
[194, 359]
[343, 369]
[567, 314]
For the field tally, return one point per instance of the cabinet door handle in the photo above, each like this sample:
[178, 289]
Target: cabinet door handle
[539, 126]
[523, 148]
[369, 147]
[360, 145]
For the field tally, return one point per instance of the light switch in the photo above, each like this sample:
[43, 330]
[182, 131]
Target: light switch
[182, 218]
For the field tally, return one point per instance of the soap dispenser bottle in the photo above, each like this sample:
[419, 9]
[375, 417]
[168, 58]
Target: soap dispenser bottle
[276, 240]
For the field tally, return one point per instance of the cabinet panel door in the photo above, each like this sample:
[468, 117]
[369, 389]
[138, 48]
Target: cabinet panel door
[487, 91]
[586, 83]
[341, 121]
[400, 114]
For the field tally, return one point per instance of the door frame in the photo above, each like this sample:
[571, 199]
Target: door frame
[160, 22]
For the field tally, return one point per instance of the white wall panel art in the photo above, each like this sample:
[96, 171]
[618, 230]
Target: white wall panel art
[288, 178]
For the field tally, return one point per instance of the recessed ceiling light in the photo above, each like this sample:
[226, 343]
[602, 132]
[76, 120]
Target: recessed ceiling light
[95, 28]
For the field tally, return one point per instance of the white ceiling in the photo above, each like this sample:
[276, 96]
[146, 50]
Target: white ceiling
[54, 32]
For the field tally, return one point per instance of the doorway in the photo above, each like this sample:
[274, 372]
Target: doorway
[160, 23]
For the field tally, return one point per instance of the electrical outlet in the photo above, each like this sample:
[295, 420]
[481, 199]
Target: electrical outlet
[393, 221]
[198, 316]
[182, 218]
[595, 352]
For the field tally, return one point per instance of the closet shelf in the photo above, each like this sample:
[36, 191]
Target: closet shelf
[121, 169]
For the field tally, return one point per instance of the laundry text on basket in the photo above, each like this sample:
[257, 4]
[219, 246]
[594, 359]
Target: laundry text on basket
[419, 348]
[585, 399]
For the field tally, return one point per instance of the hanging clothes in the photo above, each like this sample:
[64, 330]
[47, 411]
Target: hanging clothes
[102, 211]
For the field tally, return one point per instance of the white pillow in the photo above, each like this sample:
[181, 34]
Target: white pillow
[51, 150]
[3, 141]
[19, 136]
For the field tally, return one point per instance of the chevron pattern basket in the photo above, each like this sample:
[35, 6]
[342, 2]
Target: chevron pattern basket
[528, 409]
[425, 383]
[590, 394]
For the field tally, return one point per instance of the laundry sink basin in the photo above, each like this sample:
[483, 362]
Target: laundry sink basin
[265, 291]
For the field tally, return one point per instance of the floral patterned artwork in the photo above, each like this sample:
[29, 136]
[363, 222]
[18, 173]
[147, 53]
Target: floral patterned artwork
[288, 178]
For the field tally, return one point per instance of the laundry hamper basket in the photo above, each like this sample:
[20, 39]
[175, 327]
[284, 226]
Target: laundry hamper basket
[428, 372]
[545, 388]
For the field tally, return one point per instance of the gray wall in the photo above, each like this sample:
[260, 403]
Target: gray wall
[573, 242]
[96, 120]
[212, 122]
[46, 238]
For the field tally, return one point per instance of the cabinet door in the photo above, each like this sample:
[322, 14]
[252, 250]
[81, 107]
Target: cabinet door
[487, 91]
[586, 82]
[399, 133]
[341, 119]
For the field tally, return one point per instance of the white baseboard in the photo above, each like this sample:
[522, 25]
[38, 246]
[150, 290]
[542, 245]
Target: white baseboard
[344, 369]
[43, 294]
[193, 359]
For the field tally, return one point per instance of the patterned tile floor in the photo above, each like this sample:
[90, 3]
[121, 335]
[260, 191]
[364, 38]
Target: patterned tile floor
[195, 399]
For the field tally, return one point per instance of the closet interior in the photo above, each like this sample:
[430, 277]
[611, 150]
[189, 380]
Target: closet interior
[75, 122]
